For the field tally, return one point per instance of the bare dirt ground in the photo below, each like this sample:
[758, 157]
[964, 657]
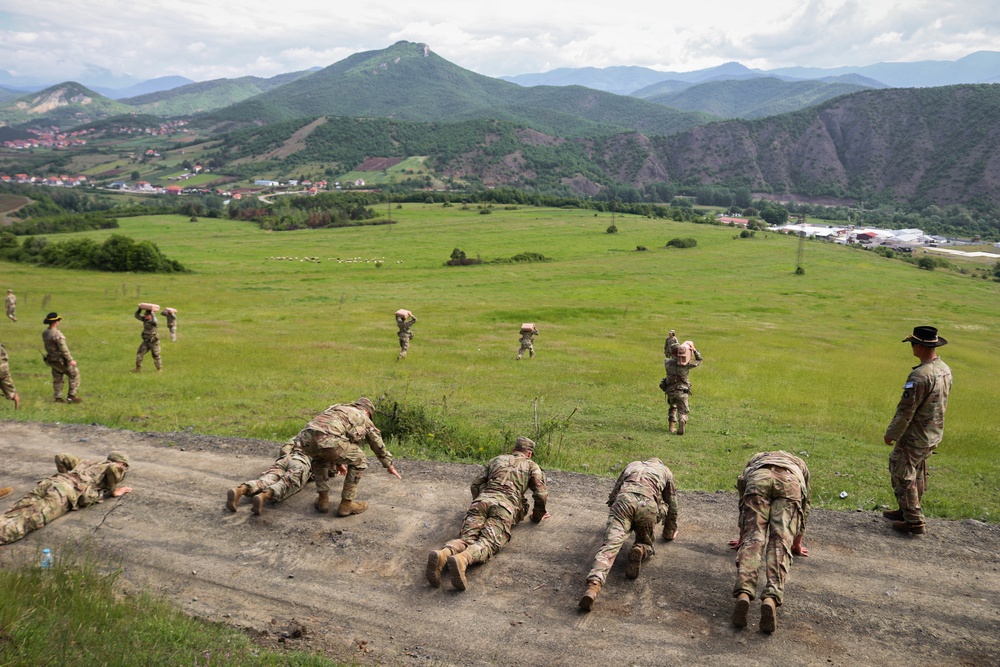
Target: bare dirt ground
[354, 587]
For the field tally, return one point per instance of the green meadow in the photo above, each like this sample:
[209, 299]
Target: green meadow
[809, 363]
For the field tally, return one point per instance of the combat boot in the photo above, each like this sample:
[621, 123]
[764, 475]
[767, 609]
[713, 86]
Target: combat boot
[635, 558]
[137, 369]
[233, 497]
[768, 615]
[349, 507]
[74, 399]
[740, 611]
[593, 590]
[323, 502]
[260, 499]
[60, 399]
[5, 491]
[673, 426]
[911, 528]
[457, 565]
[895, 515]
[436, 560]
[680, 426]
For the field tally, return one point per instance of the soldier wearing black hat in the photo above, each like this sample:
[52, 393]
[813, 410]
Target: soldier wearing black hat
[58, 358]
[917, 428]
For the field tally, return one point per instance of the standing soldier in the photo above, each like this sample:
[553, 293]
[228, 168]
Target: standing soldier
[917, 429]
[774, 508]
[676, 384]
[6, 382]
[76, 484]
[150, 339]
[528, 331]
[498, 504]
[11, 304]
[670, 344]
[283, 479]
[404, 321]
[643, 496]
[58, 358]
[171, 315]
[333, 438]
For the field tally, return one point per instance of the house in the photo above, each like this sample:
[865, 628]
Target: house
[173, 189]
[267, 184]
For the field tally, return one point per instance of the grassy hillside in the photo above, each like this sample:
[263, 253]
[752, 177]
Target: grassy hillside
[808, 363]
[753, 98]
[64, 104]
[207, 95]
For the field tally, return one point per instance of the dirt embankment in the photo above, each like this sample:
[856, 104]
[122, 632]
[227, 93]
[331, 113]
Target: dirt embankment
[866, 596]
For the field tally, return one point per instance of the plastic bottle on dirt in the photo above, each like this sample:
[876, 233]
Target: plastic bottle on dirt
[46, 558]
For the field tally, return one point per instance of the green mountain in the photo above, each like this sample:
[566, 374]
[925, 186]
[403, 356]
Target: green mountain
[64, 104]
[753, 98]
[407, 81]
[207, 95]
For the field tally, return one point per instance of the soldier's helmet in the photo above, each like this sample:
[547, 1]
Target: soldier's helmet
[524, 444]
[365, 404]
[118, 457]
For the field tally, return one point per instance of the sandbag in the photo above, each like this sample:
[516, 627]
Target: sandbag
[149, 306]
[404, 313]
[529, 326]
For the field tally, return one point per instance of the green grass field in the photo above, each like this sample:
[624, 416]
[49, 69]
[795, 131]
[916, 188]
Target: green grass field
[809, 363]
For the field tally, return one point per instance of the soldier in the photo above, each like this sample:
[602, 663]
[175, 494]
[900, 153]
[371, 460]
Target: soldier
[404, 323]
[774, 507]
[528, 331]
[333, 438]
[76, 484]
[643, 496]
[669, 344]
[6, 382]
[917, 429]
[289, 473]
[676, 384]
[11, 304]
[150, 340]
[498, 504]
[171, 315]
[58, 358]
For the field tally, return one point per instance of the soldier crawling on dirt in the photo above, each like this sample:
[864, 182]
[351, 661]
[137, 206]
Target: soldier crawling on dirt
[286, 476]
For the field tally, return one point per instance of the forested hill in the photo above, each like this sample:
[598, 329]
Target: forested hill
[919, 145]
[408, 81]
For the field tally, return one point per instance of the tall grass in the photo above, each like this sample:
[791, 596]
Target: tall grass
[810, 363]
[76, 613]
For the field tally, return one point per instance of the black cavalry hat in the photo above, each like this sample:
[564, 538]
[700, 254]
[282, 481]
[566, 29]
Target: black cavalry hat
[51, 317]
[926, 336]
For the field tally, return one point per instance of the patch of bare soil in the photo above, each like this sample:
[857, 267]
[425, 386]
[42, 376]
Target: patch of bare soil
[354, 587]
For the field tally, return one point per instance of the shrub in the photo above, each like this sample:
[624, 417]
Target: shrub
[681, 243]
[641, 248]
[612, 229]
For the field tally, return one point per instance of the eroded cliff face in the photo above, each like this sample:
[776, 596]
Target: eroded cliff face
[54, 98]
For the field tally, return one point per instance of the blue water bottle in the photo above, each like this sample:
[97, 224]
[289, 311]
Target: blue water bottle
[46, 558]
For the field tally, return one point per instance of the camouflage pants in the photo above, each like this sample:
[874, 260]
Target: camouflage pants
[58, 371]
[173, 331]
[908, 471]
[285, 477]
[12, 313]
[630, 512]
[485, 530]
[678, 402]
[404, 343]
[327, 451]
[148, 346]
[6, 383]
[772, 514]
[526, 347]
[46, 503]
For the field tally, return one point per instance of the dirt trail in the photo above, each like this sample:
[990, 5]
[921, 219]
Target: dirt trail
[866, 596]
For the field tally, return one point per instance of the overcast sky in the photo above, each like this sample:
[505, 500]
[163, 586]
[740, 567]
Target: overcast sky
[57, 40]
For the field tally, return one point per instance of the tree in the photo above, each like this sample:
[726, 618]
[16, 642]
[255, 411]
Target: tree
[135, 175]
[458, 254]
[774, 215]
[996, 270]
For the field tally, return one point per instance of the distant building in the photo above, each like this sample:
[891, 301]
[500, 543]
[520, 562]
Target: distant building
[267, 184]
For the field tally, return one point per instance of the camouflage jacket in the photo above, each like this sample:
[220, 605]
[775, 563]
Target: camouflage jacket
[779, 459]
[506, 479]
[56, 351]
[668, 346]
[651, 479]
[150, 333]
[527, 336]
[405, 325]
[10, 302]
[351, 423]
[86, 483]
[919, 418]
[3, 355]
[677, 373]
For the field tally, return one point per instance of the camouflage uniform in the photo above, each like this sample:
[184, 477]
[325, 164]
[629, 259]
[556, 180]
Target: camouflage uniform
[171, 324]
[498, 504]
[150, 340]
[917, 429]
[77, 484]
[669, 345]
[333, 438]
[643, 496]
[678, 388]
[526, 343]
[774, 509]
[405, 335]
[289, 473]
[11, 305]
[6, 382]
[58, 358]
